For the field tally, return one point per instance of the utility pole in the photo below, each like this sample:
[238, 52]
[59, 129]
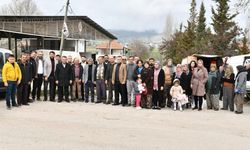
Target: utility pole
[65, 20]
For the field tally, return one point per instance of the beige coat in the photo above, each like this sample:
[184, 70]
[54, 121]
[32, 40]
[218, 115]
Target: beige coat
[122, 74]
[198, 81]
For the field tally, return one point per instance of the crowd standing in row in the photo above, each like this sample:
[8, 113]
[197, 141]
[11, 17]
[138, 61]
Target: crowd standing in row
[140, 84]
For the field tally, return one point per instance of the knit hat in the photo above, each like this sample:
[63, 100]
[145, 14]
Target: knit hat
[176, 80]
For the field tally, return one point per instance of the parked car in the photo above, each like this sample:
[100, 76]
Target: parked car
[4, 54]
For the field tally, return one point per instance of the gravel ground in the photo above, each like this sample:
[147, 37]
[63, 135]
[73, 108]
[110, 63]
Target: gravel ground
[78, 126]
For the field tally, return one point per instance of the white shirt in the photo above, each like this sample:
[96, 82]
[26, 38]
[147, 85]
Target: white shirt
[40, 67]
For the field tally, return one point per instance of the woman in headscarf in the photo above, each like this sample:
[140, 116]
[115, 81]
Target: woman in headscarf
[147, 78]
[228, 88]
[158, 86]
[199, 79]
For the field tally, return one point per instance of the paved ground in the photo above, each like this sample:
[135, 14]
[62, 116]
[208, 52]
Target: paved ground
[78, 126]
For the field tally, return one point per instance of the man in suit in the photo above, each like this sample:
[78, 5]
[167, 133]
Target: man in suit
[119, 78]
[63, 76]
[38, 80]
[100, 75]
[49, 76]
[23, 87]
[88, 79]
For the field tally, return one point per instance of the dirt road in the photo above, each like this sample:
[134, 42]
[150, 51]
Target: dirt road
[80, 126]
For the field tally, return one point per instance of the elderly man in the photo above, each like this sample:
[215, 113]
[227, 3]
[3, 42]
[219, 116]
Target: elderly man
[119, 78]
[77, 71]
[100, 74]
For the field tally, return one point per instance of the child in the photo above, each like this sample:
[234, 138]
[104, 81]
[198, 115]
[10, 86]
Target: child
[139, 90]
[12, 77]
[177, 95]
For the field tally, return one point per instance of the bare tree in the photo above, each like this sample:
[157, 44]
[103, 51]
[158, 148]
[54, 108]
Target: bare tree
[169, 26]
[140, 49]
[243, 3]
[20, 8]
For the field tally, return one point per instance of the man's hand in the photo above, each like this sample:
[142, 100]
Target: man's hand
[80, 81]
[57, 82]
[18, 82]
[70, 81]
[5, 84]
[29, 83]
[106, 81]
[46, 78]
[161, 88]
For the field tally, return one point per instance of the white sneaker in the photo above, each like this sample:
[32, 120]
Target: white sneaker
[138, 108]
[174, 108]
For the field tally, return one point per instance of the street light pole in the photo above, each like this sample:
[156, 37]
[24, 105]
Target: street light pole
[65, 20]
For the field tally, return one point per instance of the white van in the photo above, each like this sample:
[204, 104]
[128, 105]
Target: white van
[4, 54]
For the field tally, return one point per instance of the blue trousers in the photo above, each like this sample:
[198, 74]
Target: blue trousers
[10, 93]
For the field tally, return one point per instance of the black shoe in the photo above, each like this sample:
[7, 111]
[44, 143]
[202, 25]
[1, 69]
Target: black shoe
[59, 101]
[223, 109]
[236, 112]
[14, 105]
[9, 107]
[115, 104]
[26, 104]
[200, 109]
[195, 108]
[45, 100]
[97, 102]
[52, 100]
[86, 101]
[67, 101]
[38, 99]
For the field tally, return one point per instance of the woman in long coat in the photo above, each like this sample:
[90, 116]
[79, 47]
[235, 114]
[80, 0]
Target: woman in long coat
[199, 79]
[147, 78]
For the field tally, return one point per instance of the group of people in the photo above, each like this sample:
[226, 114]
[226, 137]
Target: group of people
[134, 82]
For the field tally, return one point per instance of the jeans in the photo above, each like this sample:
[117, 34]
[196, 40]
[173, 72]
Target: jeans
[101, 90]
[10, 93]
[89, 85]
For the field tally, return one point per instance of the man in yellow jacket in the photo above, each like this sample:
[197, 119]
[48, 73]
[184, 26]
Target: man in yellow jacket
[12, 76]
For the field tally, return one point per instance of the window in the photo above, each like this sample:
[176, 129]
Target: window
[1, 62]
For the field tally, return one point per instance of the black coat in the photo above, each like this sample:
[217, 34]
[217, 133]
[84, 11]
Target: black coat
[63, 75]
[33, 67]
[26, 71]
[185, 81]
[147, 76]
[109, 71]
[161, 79]
[73, 72]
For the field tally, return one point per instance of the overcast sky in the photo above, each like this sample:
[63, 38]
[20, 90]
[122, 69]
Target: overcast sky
[138, 15]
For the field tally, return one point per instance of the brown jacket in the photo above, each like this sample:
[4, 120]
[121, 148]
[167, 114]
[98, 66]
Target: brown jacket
[198, 81]
[122, 74]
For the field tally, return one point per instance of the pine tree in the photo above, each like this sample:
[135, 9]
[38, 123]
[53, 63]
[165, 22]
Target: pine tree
[201, 27]
[244, 49]
[224, 27]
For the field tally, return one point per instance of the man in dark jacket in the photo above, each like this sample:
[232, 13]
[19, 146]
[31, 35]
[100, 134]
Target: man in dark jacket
[77, 72]
[108, 79]
[63, 79]
[32, 62]
[23, 87]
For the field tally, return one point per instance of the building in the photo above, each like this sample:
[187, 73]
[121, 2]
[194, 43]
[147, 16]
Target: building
[44, 32]
[111, 48]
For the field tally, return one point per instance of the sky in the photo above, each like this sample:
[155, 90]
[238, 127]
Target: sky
[135, 15]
